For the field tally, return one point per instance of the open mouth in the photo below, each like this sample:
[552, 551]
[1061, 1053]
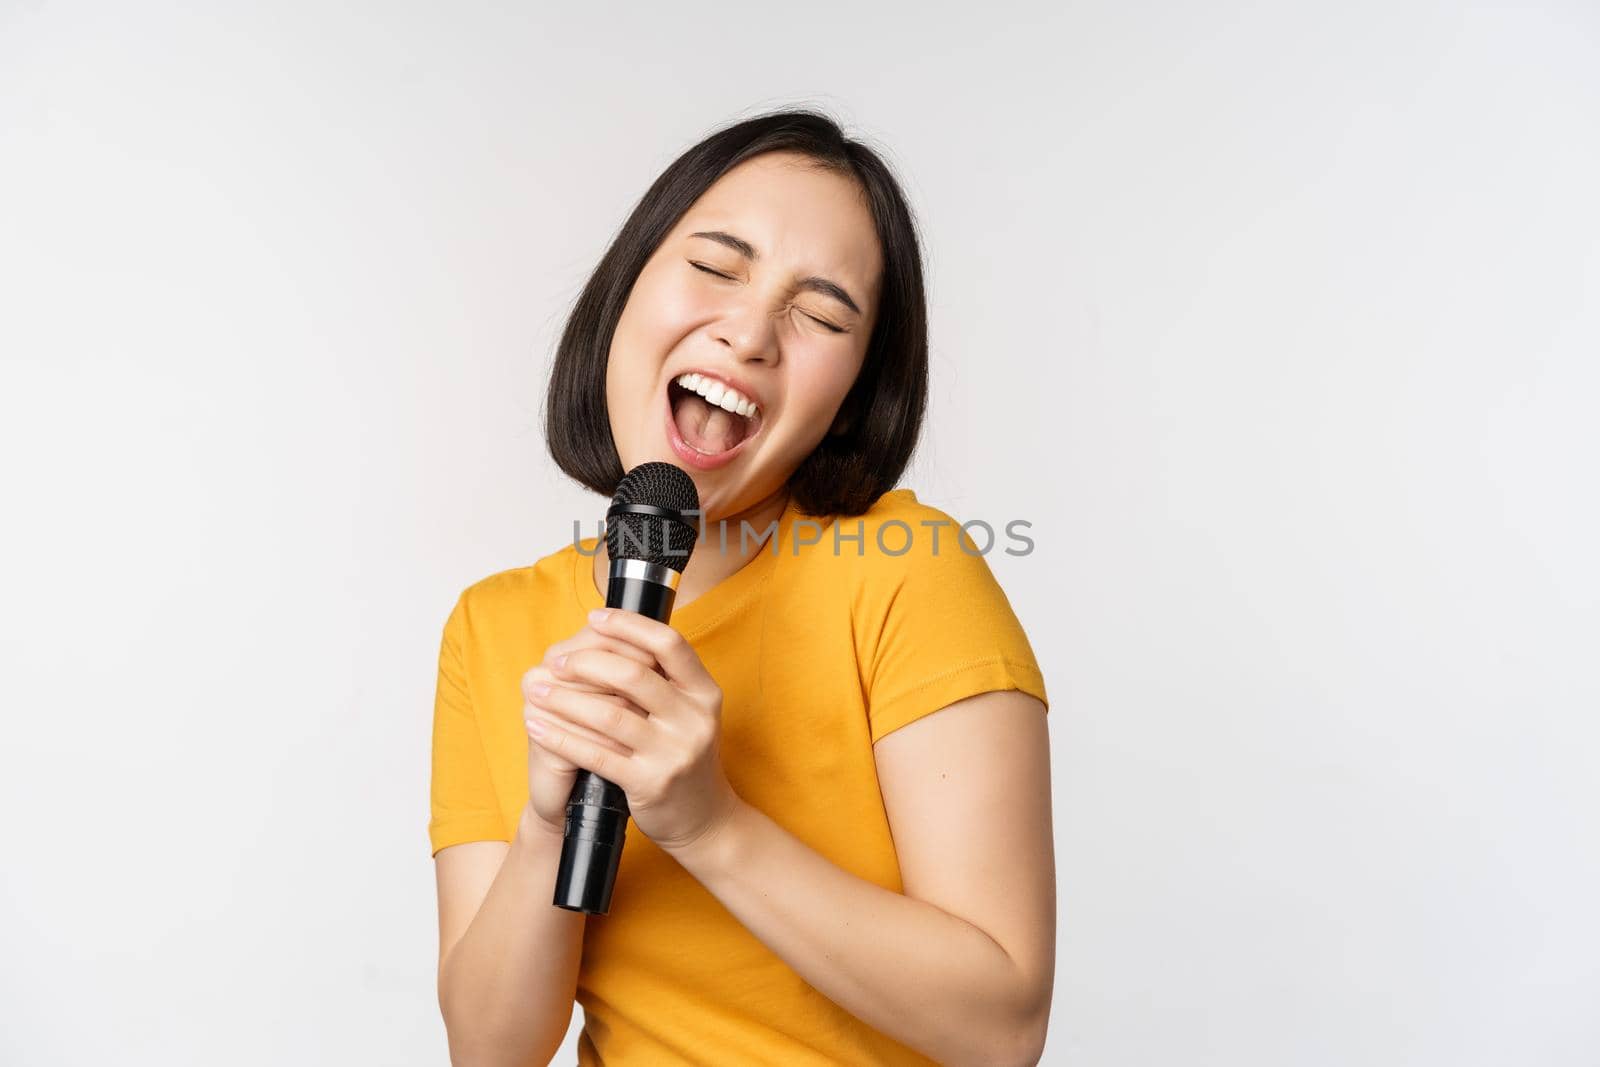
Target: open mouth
[711, 421]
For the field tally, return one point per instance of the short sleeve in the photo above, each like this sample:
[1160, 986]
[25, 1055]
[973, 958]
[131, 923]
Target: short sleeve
[944, 631]
[463, 803]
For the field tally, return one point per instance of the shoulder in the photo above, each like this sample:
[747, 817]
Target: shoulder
[507, 594]
[901, 506]
[901, 538]
[932, 623]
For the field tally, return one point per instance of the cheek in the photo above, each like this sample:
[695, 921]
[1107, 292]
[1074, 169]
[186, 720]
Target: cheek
[660, 310]
[654, 319]
[816, 395]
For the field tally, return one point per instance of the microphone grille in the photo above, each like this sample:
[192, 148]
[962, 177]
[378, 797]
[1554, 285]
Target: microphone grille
[654, 538]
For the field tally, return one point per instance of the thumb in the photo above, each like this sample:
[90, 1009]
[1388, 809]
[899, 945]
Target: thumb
[553, 763]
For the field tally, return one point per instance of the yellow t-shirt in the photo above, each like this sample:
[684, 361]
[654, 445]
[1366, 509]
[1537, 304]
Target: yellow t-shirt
[819, 653]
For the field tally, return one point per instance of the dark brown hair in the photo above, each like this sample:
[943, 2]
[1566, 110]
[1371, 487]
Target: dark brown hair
[881, 416]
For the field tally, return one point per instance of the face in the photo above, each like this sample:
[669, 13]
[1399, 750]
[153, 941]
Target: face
[745, 330]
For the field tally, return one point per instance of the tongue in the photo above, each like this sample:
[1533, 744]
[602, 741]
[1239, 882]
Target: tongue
[709, 429]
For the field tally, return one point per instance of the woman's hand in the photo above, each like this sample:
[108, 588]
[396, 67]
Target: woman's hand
[648, 718]
[550, 776]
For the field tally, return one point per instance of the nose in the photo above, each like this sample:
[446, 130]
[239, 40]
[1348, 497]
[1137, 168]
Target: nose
[749, 332]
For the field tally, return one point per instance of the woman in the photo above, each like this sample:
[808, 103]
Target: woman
[819, 870]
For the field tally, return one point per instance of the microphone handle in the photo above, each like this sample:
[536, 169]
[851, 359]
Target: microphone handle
[597, 809]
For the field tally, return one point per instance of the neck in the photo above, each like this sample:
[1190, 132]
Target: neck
[708, 564]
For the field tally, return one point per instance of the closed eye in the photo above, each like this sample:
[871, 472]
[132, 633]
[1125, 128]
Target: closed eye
[830, 327]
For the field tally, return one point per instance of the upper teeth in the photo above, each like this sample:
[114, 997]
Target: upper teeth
[717, 394]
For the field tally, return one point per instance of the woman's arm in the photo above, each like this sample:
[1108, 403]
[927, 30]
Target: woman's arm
[961, 967]
[508, 958]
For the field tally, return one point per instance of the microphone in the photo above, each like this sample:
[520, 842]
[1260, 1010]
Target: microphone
[649, 535]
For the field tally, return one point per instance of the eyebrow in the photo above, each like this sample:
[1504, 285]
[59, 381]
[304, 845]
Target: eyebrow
[815, 284]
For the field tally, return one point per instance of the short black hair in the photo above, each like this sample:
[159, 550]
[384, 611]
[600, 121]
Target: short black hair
[881, 416]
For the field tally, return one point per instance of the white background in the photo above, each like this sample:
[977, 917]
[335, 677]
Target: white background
[1278, 322]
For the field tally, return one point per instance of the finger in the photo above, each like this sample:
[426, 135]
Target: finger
[585, 638]
[550, 759]
[671, 650]
[588, 637]
[612, 718]
[560, 739]
[639, 684]
[543, 673]
[532, 708]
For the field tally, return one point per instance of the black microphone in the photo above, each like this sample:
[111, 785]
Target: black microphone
[651, 528]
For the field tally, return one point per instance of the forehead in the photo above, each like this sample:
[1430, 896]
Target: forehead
[796, 215]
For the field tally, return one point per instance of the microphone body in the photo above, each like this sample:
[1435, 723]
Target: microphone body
[597, 810]
[643, 579]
